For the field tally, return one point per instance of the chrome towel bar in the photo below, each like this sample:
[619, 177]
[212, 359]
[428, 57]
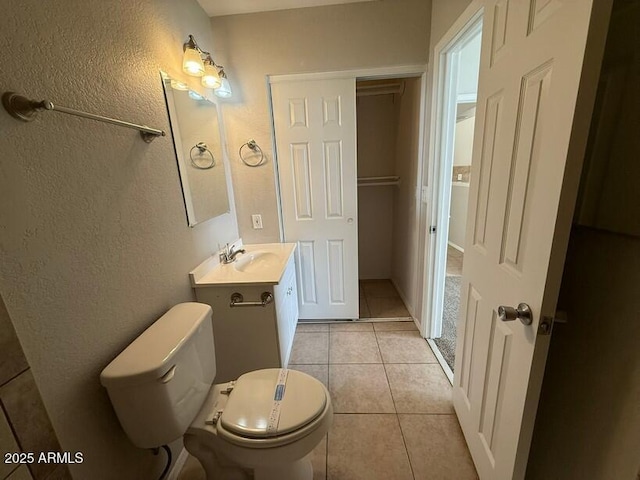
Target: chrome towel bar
[25, 109]
[237, 300]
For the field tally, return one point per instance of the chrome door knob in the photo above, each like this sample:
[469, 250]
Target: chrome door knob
[523, 312]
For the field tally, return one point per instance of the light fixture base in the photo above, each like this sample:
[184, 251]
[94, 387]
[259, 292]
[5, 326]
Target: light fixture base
[20, 107]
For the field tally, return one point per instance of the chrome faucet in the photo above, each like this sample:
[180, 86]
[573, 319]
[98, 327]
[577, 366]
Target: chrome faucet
[229, 254]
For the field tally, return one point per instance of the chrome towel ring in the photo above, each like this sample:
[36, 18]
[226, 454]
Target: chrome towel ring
[202, 149]
[255, 149]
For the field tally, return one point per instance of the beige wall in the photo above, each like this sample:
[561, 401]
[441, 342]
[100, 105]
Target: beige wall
[338, 37]
[588, 422]
[443, 14]
[406, 214]
[463, 145]
[377, 131]
[94, 243]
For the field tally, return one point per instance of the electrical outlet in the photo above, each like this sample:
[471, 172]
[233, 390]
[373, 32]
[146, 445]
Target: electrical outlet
[459, 176]
[256, 219]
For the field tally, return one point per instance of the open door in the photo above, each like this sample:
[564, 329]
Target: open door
[315, 130]
[521, 199]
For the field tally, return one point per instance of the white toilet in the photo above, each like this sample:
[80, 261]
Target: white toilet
[263, 426]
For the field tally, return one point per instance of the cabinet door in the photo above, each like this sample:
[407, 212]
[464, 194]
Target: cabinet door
[286, 311]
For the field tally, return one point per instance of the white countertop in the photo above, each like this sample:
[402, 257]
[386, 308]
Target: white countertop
[266, 262]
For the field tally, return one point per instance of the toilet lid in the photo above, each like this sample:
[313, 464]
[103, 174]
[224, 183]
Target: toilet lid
[260, 407]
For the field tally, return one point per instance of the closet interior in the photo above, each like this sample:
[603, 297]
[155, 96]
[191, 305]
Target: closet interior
[388, 119]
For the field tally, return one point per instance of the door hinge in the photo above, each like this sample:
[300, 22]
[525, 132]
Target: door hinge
[432, 229]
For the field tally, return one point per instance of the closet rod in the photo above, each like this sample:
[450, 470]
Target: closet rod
[25, 109]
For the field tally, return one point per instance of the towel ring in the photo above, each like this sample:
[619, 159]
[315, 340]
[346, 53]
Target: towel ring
[202, 148]
[255, 148]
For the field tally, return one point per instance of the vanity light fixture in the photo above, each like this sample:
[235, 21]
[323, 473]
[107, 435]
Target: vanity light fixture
[198, 63]
[192, 63]
[224, 91]
[211, 77]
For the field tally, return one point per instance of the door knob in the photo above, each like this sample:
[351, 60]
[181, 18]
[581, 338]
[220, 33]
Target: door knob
[350, 220]
[523, 312]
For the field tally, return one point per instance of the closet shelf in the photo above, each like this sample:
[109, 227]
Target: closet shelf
[378, 181]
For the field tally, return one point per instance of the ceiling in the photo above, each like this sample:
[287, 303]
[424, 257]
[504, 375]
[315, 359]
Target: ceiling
[216, 8]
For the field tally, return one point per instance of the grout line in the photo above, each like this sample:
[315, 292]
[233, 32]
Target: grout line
[406, 449]
[15, 376]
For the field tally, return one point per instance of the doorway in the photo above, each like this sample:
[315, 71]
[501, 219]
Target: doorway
[461, 62]
[315, 137]
[388, 121]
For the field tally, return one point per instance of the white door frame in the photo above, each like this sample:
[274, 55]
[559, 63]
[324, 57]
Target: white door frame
[378, 73]
[437, 187]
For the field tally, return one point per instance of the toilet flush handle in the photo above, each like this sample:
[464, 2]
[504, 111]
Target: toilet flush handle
[167, 377]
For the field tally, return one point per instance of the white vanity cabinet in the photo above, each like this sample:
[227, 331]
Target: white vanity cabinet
[252, 337]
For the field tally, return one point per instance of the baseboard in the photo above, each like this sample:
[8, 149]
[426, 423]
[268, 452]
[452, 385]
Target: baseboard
[443, 364]
[406, 303]
[177, 466]
[457, 247]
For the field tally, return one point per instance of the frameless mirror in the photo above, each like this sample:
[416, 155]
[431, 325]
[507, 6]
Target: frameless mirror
[197, 141]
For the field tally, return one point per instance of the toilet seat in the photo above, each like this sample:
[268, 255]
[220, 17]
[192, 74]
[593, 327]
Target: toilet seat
[271, 403]
[297, 418]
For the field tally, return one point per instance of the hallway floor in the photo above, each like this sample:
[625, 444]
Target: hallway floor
[393, 416]
[380, 299]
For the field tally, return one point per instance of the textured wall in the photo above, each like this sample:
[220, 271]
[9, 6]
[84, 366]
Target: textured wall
[339, 37]
[94, 243]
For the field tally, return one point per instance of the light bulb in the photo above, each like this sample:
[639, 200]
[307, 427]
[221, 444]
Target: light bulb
[211, 78]
[224, 91]
[192, 62]
[176, 85]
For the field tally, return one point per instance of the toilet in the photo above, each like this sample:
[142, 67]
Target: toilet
[264, 425]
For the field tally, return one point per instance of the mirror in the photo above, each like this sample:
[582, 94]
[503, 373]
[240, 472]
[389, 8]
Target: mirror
[197, 140]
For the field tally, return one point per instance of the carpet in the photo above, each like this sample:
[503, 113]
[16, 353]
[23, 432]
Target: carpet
[447, 342]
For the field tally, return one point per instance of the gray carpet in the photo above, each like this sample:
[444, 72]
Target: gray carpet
[447, 343]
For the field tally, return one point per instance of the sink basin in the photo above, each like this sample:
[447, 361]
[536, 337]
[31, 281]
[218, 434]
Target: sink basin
[263, 263]
[254, 261]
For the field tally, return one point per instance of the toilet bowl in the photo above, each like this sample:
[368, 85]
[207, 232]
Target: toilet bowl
[264, 425]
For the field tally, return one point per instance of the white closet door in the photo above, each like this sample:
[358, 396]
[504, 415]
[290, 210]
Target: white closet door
[315, 130]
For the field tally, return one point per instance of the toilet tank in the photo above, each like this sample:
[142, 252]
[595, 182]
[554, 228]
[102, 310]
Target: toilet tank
[159, 382]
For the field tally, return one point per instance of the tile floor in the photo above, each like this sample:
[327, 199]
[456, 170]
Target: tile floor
[393, 417]
[380, 299]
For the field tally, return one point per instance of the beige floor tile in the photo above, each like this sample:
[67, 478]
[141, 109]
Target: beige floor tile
[379, 288]
[387, 307]
[320, 372]
[352, 327]
[310, 347]
[394, 326]
[419, 388]
[192, 470]
[354, 347]
[312, 327]
[319, 460]
[7, 444]
[404, 347]
[367, 447]
[364, 308]
[437, 448]
[22, 473]
[360, 389]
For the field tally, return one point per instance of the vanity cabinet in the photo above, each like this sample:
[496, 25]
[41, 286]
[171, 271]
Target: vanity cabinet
[255, 337]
